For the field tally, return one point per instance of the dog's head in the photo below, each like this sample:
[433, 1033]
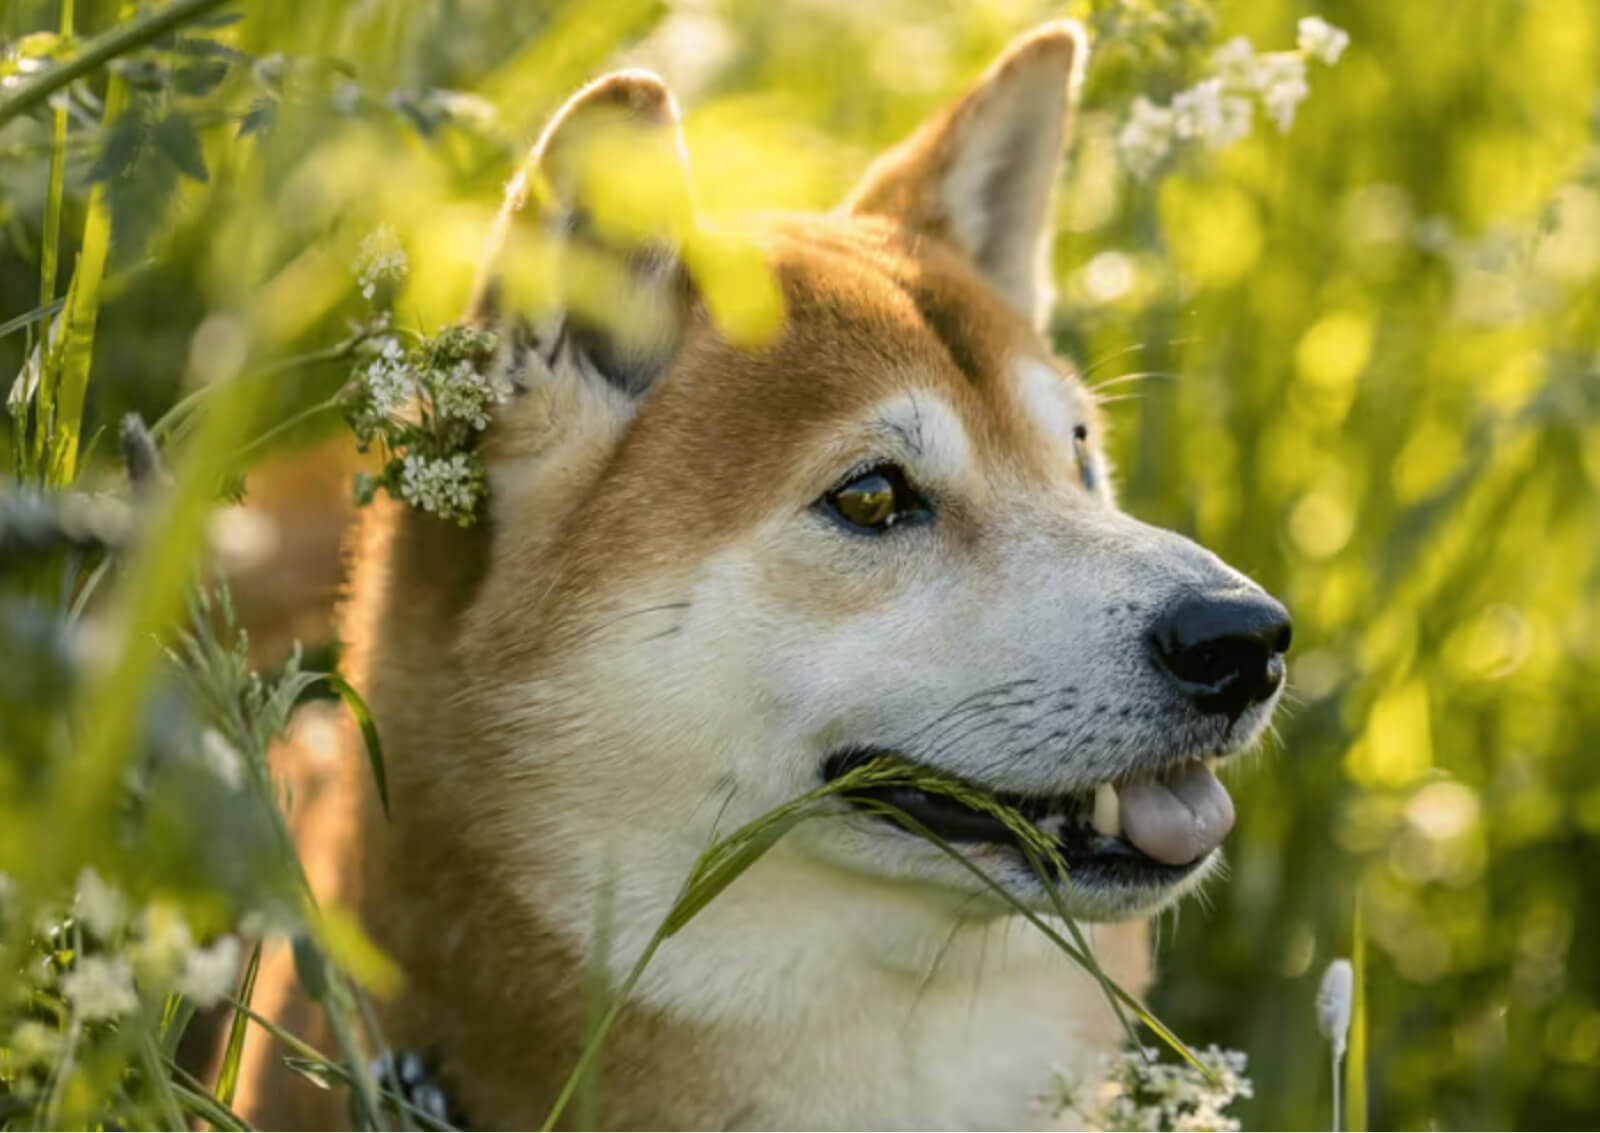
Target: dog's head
[717, 575]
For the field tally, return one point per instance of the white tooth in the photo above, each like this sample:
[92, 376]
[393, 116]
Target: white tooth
[1107, 812]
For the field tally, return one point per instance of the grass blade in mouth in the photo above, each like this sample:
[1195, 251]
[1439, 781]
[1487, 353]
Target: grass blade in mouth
[728, 857]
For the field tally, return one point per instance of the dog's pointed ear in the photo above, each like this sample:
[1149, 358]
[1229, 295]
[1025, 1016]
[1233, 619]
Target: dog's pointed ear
[584, 271]
[980, 173]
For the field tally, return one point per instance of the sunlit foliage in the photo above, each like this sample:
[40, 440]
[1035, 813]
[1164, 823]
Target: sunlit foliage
[1359, 357]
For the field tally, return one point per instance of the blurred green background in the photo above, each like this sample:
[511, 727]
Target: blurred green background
[1372, 349]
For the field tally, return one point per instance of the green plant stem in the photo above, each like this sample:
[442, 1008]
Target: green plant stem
[285, 426]
[50, 242]
[1338, 1122]
[1356, 1058]
[101, 50]
[174, 418]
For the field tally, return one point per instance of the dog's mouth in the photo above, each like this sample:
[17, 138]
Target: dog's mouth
[1147, 831]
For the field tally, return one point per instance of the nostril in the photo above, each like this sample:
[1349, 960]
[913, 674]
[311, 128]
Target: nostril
[1223, 652]
[1218, 661]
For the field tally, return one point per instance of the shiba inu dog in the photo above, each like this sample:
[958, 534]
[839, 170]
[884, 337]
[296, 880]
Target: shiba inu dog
[710, 577]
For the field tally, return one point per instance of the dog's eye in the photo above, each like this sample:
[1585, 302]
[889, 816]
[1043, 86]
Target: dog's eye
[875, 501]
[1080, 451]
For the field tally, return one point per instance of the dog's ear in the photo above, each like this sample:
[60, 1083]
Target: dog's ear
[980, 173]
[583, 276]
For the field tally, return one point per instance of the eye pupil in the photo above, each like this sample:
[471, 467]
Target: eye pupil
[868, 501]
[875, 501]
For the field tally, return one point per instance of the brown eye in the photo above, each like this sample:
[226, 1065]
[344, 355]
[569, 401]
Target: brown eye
[875, 501]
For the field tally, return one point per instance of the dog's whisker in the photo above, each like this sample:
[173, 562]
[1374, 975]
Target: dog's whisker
[1096, 363]
[1139, 376]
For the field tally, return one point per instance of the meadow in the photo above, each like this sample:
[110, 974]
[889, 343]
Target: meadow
[1343, 312]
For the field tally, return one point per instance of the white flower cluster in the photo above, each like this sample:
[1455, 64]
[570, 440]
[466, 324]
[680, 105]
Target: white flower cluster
[155, 949]
[1321, 39]
[1220, 110]
[1139, 1093]
[389, 380]
[460, 393]
[447, 487]
[101, 987]
[464, 394]
[380, 258]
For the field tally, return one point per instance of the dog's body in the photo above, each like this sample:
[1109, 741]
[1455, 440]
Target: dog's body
[710, 577]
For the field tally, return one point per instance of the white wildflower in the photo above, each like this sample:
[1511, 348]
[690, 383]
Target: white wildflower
[99, 905]
[448, 487]
[1205, 112]
[389, 380]
[33, 1044]
[1238, 118]
[464, 394]
[1281, 79]
[100, 987]
[1146, 138]
[1321, 40]
[1235, 63]
[380, 258]
[1197, 112]
[222, 758]
[1333, 1002]
[1139, 1093]
[208, 973]
[164, 943]
[1335, 998]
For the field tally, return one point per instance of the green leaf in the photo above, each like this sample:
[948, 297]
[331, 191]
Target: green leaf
[311, 968]
[124, 141]
[259, 118]
[28, 318]
[324, 1074]
[64, 381]
[141, 74]
[369, 733]
[233, 1053]
[175, 136]
[200, 78]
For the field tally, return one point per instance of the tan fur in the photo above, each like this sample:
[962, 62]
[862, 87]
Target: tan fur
[567, 692]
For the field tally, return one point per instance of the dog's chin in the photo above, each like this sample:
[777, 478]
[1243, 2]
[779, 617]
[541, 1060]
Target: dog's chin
[1109, 875]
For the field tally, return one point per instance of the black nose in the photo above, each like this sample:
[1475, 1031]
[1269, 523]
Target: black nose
[1224, 651]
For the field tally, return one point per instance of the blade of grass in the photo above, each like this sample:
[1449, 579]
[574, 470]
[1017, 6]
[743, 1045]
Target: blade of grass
[1145, 1016]
[65, 381]
[196, 1102]
[233, 1053]
[119, 40]
[174, 1021]
[160, 1080]
[28, 318]
[50, 239]
[369, 733]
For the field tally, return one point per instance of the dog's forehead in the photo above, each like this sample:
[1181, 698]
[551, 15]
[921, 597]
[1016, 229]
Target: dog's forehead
[870, 313]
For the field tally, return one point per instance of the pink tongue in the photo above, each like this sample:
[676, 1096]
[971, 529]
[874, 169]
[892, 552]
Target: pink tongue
[1179, 819]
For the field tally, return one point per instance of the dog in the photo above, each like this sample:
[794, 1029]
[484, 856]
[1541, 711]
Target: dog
[712, 575]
